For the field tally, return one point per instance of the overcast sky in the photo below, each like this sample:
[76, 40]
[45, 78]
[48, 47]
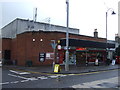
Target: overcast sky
[85, 15]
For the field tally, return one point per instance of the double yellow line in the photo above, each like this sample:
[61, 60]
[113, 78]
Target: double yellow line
[85, 73]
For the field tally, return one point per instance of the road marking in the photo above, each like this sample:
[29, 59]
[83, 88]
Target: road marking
[98, 83]
[56, 76]
[14, 71]
[53, 76]
[17, 76]
[32, 78]
[66, 74]
[62, 75]
[14, 82]
[42, 77]
[24, 80]
[12, 75]
[21, 73]
[4, 83]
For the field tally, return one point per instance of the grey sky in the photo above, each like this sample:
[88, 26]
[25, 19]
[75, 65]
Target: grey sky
[85, 15]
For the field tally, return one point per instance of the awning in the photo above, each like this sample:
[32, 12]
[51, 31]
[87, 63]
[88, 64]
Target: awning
[86, 43]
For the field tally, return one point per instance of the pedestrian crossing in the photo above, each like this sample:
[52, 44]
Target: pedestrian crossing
[28, 77]
[25, 77]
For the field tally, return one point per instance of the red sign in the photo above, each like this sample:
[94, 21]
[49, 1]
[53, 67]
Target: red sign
[80, 49]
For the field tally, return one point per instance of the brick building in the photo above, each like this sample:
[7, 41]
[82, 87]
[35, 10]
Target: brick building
[36, 45]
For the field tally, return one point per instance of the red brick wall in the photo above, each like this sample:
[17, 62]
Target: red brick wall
[6, 45]
[23, 48]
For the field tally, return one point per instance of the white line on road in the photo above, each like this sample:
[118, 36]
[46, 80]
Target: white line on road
[56, 76]
[32, 78]
[17, 76]
[15, 82]
[4, 83]
[24, 73]
[53, 76]
[21, 73]
[24, 80]
[42, 77]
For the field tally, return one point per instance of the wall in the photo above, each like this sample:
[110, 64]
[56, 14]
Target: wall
[23, 48]
[6, 45]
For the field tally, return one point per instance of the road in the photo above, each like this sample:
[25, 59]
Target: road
[20, 79]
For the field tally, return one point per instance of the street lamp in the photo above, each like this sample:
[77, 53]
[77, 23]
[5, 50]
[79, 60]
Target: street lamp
[113, 13]
[67, 39]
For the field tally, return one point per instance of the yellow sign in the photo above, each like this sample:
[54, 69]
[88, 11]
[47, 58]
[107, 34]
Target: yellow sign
[56, 68]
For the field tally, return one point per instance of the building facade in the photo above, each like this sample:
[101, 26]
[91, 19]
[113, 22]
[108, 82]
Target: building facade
[29, 45]
[36, 46]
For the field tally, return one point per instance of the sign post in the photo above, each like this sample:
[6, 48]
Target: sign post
[54, 47]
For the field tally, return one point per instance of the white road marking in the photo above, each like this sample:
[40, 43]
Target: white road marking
[94, 84]
[24, 73]
[62, 75]
[32, 78]
[17, 76]
[53, 76]
[17, 72]
[4, 83]
[14, 71]
[24, 80]
[42, 77]
[22, 77]
[14, 82]
[56, 76]
[12, 75]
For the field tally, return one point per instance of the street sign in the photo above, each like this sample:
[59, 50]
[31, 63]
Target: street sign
[59, 47]
[42, 57]
[53, 45]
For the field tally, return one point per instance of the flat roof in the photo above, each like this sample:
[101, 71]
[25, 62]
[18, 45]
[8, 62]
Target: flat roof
[86, 43]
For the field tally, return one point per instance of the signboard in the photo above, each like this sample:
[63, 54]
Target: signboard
[57, 68]
[50, 56]
[53, 45]
[42, 57]
[80, 49]
[59, 47]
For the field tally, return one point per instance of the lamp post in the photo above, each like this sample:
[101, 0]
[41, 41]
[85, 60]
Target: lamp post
[67, 39]
[113, 13]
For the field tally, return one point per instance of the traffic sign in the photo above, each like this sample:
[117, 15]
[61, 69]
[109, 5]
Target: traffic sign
[53, 45]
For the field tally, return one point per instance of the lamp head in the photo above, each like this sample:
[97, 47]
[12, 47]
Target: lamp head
[113, 13]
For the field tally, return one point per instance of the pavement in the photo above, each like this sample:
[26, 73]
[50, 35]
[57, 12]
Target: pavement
[72, 69]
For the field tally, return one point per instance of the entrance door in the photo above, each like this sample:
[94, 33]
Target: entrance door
[7, 55]
[81, 58]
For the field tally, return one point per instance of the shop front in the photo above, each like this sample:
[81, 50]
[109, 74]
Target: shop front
[83, 52]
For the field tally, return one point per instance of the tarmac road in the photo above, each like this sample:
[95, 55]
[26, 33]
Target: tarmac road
[19, 79]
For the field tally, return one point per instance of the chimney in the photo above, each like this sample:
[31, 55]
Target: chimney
[117, 38]
[95, 33]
